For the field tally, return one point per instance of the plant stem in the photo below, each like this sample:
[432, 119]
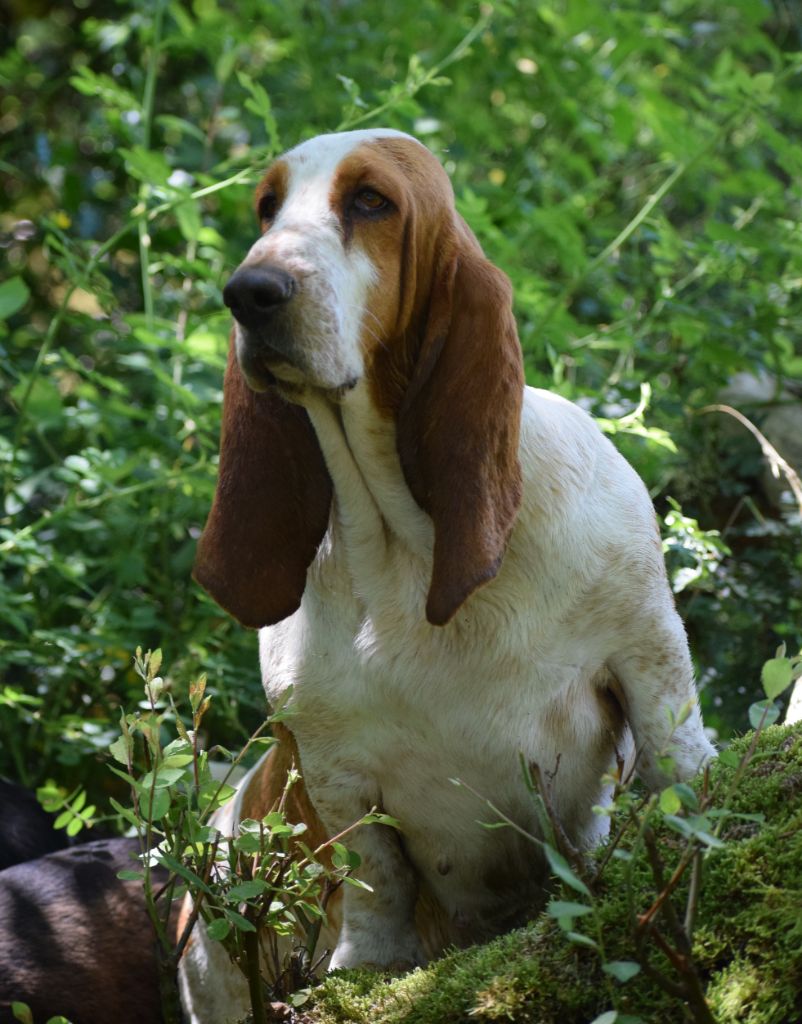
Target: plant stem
[147, 128]
[455, 55]
[681, 958]
[255, 987]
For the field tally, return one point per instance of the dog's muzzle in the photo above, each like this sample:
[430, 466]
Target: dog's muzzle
[258, 298]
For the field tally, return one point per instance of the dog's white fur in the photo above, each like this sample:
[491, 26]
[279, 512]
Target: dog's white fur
[389, 709]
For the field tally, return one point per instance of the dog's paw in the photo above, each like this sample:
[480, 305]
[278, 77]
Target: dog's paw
[685, 756]
[392, 954]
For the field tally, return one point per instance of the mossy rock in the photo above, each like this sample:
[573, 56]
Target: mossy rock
[747, 941]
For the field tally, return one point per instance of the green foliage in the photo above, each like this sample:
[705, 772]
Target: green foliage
[247, 888]
[22, 1013]
[634, 170]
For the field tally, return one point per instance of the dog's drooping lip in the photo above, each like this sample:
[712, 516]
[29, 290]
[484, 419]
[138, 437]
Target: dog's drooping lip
[264, 368]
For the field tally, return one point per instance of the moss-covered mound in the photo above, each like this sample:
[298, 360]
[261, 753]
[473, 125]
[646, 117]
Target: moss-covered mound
[747, 941]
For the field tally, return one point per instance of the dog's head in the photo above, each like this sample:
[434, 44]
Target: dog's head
[364, 270]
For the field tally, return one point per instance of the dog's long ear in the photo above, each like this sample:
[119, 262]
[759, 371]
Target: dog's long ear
[459, 424]
[270, 509]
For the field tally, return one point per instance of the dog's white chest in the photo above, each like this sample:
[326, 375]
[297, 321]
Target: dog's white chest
[397, 712]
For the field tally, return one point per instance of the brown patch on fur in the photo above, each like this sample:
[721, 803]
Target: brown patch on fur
[451, 374]
[265, 789]
[274, 183]
[264, 793]
[612, 706]
[270, 509]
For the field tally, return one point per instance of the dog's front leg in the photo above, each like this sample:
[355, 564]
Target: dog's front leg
[378, 926]
[656, 678]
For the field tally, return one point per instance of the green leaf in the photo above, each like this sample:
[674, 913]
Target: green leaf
[130, 876]
[687, 795]
[218, 929]
[104, 89]
[696, 827]
[177, 746]
[300, 997]
[63, 818]
[776, 676]
[159, 806]
[582, 940]
[155, 662]
[168, 776]
[189, 219]
[560, 908]
[763, 712]
[177, 761]
[622, 970]
[74, 827]
[240, 923]
[146, 165]
[246, 890]
[357, 883]
[120, 748]
[670, 802]
[14, 294]
[381, 819]
[180, 124]
[125, 813]
[562, 869]
[22, 1012]
[195, 881]
[342, 857]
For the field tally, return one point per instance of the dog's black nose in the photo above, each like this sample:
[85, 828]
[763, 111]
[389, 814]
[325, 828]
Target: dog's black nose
[253, 293]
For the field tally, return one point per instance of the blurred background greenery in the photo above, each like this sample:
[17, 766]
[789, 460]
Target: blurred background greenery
[634, 167]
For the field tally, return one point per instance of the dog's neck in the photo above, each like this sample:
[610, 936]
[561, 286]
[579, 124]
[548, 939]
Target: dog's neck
[371, 497]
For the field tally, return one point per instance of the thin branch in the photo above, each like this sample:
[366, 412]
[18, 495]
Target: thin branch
[776, 461]
[455, 55]
[563, 842]
[694, 890]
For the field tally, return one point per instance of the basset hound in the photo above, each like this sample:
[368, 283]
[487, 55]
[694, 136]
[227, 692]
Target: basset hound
[449, 569]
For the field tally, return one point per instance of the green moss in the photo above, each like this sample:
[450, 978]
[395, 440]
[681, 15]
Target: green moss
[748, 938]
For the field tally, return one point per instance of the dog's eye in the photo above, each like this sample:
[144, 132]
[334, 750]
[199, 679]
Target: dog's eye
[367, 200]
[268, 205]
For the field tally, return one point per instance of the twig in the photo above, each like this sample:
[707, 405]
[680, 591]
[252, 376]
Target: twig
[775, 460]
[563, 842]
[670, 987]
[680, 958]
[612, 845]
[695, 887]
[455, 55]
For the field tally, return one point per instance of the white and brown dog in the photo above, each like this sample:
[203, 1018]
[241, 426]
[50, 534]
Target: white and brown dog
[449, 567]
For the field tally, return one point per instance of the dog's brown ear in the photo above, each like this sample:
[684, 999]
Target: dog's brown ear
[459, 425]
[270, 509]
